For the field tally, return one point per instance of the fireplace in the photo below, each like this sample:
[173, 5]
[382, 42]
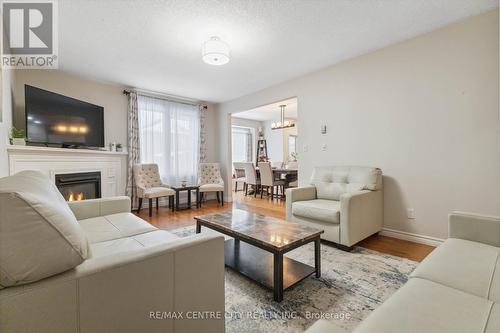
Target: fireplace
[79, 186]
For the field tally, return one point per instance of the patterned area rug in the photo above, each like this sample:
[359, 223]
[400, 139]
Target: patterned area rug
[352, 284]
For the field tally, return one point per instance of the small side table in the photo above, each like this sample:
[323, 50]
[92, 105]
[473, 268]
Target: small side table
[188, 188]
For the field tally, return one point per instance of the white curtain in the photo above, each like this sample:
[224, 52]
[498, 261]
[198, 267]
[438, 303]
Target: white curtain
[170, 137]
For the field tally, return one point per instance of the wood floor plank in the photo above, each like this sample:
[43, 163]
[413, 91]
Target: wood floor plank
[167, 220]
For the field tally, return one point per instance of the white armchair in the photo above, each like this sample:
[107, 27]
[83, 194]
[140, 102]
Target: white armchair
[345, 201]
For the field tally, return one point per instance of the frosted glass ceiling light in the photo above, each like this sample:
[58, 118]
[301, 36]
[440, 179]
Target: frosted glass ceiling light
[215, 52]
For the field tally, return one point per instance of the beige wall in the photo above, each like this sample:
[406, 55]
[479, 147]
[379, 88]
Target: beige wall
[7, 86]
[106, 95]
[426, 111]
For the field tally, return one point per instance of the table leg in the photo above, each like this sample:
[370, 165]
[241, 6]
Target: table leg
[189, 199]
[198, 202]
[317, 257]
[177, 200]
[278, 277]
[198, 227]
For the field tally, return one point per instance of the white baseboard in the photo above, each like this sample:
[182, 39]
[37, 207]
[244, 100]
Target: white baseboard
[421, 239]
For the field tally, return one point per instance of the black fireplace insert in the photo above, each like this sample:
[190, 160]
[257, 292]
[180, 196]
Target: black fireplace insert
[79, 186]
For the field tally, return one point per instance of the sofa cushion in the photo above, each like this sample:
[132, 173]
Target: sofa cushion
[132, 243]
[108, 227]
[425, 306]
[333, 181]
[318, 209]
[39, 235]
[464, 265]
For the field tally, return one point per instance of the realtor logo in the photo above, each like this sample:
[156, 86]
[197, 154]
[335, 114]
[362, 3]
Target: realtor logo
[29, 34]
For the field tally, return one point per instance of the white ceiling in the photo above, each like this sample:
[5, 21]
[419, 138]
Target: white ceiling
[156, 45]
[271, 111]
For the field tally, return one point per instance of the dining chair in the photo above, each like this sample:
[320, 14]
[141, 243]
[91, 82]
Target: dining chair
[267, 180]
[251, 178]
[210, 180]
[239, 172]
[150, 186]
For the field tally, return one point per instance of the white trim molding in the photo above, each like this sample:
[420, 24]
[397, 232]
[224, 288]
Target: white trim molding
[421, 239]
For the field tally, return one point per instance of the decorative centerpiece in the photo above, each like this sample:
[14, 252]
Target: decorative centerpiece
[184, 183]
[119, 147]
[17, 137]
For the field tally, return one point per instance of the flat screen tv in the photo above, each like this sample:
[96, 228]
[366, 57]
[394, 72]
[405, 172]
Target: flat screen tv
[60, 120]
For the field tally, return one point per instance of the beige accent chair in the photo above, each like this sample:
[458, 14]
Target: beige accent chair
[455, 289]
[210, 180]
[239, 172]
[150, 186]
[251, 177]
[267, 180]
[92, 266]
[347, 202]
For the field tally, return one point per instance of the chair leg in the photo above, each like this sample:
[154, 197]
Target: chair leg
[236, 186]
[272, 193]
[222, 198]
[261, 191]
[255, 191]
[157, 203]
[217, 193]
[246, 189]
[172, 203]
[150, 207]
[140, 205]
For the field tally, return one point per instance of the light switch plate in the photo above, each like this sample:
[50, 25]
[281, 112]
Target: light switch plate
[411, 213]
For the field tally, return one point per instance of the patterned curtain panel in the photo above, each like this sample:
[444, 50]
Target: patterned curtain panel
[133, 145]
[203, 134]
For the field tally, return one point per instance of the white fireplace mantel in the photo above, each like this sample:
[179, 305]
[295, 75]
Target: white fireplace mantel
[52, 161]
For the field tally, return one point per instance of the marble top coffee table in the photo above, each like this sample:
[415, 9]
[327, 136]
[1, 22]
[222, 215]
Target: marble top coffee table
[264, 241]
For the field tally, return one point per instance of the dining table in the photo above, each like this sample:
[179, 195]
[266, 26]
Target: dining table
[287, 174]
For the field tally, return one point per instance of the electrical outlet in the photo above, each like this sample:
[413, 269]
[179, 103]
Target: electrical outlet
[410, 213]
[323, 147]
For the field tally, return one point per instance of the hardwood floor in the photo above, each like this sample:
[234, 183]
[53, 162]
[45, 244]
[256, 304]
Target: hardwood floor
[165, 219]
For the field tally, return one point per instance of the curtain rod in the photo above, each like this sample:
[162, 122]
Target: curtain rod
[164, 97]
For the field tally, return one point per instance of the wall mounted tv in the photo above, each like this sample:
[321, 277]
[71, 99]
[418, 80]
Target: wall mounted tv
[60, 120]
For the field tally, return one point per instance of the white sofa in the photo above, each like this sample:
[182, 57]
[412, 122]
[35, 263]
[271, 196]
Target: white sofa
[109, 272]
[455, 289]
[347, 202]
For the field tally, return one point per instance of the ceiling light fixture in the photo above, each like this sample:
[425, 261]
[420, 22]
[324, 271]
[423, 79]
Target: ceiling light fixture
[215, 51]
[283, 123]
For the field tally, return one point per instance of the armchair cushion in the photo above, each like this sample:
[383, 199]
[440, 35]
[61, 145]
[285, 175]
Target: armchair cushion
[156, 192]
[39, 234]
[211, 188]
[318, 209]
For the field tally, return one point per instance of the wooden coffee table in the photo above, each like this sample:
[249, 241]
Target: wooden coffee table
[259, 244]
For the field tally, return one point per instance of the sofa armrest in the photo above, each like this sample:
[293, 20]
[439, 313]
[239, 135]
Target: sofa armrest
[361, 215]
[86, 209]
[474, 227]
[298, 194]
[133, 291]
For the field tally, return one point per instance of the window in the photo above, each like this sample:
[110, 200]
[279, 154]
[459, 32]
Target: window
[169, 136]
[292, 145]
[243, 141]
